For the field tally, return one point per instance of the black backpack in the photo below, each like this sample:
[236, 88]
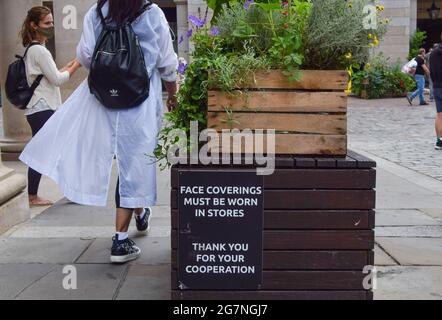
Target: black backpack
[17, 89]
[118, 75]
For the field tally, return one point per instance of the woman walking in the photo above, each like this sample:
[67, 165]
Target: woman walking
[85, 135]
[37, 29]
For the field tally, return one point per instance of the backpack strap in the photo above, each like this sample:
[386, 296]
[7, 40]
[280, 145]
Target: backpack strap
[100, 14]
[36, 83]
[29, 47]
[142, 10]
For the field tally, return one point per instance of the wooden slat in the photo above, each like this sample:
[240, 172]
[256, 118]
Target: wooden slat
[290, 122]
[271, 101]
[305, 162]
[346, 162]
[310, 80]
[268, 295]
[311, 220]
[306, 280]
[294, 144]
[308, 260]
[319, 240]
[304, 178]
[311, 240]
[363, 162]
[311, 199]
[319, 199]
[321, 179]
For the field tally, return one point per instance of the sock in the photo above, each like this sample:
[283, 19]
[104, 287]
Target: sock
[141, 216]
[122, 236]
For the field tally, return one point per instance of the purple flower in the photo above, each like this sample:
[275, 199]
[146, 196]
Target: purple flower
[196, 22]
[215, 31]
[189, 33]
[182, 67]
[247, 4]
[181, 40]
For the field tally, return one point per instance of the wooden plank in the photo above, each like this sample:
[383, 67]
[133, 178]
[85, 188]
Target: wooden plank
[310, 240]
[305, 162]
[319, 199]
[326, 162]
[308, 260]
[277, 101]
[306, 280]
[310, 80]
[268, 295]
[310, 220]
[289, 122]
[311, 199]
[321, 179]
[319, 240]
[346, 162]
[362, 162]
[303, 178]
[293, 144]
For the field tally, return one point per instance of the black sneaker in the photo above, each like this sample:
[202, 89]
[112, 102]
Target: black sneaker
[124, 250]
[410, 101]
[438, 145]
[143, 224]
[424, 103]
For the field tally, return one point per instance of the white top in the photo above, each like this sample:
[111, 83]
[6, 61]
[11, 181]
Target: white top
[39, 61]
[77, 145]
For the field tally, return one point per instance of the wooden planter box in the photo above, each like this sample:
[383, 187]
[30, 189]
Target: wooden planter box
[318, 230]
[309, 116]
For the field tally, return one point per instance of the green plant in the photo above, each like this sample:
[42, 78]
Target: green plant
[336, 36]
[416, 42]
[383, 79]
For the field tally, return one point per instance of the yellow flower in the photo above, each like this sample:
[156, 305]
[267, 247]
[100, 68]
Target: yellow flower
[380, 8]
[370, 36]
[371, 45]
[375, 41]
[348, 55]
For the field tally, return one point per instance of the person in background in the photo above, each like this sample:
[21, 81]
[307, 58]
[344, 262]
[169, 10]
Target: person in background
[427, 62]
[436, 77]
[38, 28]
[421, 71]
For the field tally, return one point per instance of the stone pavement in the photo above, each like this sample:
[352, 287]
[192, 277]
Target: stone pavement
[408, 251]
[392, 130]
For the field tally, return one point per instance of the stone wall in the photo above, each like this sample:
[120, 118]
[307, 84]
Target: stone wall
[396, 42]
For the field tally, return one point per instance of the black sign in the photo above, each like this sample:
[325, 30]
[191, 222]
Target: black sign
[220, 236]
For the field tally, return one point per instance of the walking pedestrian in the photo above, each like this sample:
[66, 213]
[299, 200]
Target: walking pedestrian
[421, 71]
[436, 76]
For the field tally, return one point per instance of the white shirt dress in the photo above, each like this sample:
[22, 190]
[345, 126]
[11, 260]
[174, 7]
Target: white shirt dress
[77, 145]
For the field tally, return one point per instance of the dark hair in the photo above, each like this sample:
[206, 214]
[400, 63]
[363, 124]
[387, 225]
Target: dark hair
[422, 51]
[122, 10]
[36, 14]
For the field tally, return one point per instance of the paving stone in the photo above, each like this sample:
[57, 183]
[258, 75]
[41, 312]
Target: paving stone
[146, 283]
[82, 232]
[408, 283]
[41, 250]
[14, 278]
[381, 258]
[414, 251]
[94, 282]
[392, 130]
[154, 251]
[404, 218]
[410, 232]
[435, 213]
